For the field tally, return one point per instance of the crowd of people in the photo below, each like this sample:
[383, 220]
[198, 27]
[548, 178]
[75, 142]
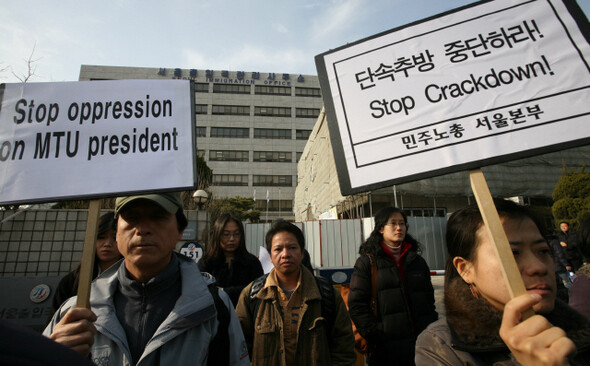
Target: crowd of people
[155, 307]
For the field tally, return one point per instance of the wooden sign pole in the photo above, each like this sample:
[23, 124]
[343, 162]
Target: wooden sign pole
[88, 253]
[497, 235]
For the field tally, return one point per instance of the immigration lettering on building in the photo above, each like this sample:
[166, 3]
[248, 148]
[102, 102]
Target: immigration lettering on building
[237, 77]
[487, 83]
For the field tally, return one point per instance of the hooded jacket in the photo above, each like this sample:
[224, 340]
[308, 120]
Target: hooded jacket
[264, 331]
[182, 338]
[405, 303]
[470, 333]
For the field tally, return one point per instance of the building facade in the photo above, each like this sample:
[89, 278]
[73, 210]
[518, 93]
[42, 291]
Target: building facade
[251, 128]
[529, 181]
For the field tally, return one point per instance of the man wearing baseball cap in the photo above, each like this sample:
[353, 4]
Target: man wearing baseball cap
[155, 308]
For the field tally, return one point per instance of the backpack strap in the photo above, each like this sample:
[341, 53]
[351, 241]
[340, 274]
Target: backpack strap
[257, 285]
[328, 303]
[219, 346]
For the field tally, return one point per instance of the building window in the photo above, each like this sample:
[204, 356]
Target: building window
[298, 156]
[201, 131]
[201, 152]
[230, 179]
[231, 88]
[275, 205]
[273, 156]
[272, 180]
[307, 112]
[302, 134]
[235, 110]
[272, 133]
[202, 87]
[272, 111]
[272, 90]
[201, 108]
[228, 155]
[308, 92]
[230, 132]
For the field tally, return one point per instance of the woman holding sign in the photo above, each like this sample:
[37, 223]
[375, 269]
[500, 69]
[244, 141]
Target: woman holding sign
[404, 292]
[227, 258]
[483, 326]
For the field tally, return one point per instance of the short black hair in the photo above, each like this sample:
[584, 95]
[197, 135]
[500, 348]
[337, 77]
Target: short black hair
[280, 226]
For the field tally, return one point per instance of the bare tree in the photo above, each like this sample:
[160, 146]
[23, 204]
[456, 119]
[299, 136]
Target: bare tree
[31, 67]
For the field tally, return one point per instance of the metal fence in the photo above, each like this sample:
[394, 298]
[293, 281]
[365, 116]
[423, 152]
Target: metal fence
[336, 243]
[49, 242]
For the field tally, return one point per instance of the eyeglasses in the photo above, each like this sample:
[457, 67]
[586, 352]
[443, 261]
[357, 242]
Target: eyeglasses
[229, 235]
[400, 224]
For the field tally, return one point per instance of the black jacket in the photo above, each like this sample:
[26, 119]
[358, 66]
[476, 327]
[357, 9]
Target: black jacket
[404, 309]
[572, 251]
[68, 287]
[22, 346]
[244, 269]
[559, 257]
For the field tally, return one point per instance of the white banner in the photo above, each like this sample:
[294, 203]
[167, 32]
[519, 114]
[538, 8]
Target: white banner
[482, 85]
[95, 139]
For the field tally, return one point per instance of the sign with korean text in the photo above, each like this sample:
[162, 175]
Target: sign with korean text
[480, 85]
[94, 139]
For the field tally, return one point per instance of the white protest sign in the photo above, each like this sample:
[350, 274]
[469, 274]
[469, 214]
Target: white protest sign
[484, 84]
[94, 139]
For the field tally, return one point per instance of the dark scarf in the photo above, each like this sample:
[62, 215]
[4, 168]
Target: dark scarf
[475, 324]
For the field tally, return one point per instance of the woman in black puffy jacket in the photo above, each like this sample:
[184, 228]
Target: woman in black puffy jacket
[405, 296]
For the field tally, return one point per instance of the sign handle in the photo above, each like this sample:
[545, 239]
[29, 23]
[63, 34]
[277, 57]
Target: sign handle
[88, 253]
[496, 233]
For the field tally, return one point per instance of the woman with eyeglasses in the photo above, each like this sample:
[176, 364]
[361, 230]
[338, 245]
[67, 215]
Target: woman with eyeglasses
[404, 292]
[227, 259]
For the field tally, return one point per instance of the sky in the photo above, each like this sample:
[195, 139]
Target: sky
[280, 36]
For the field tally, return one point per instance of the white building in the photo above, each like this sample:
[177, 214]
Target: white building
[530, 181]
[251, 128]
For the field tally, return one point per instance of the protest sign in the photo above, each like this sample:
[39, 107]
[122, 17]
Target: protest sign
[484, 84]
[94, 139]
[487, 83]
[61, 141]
